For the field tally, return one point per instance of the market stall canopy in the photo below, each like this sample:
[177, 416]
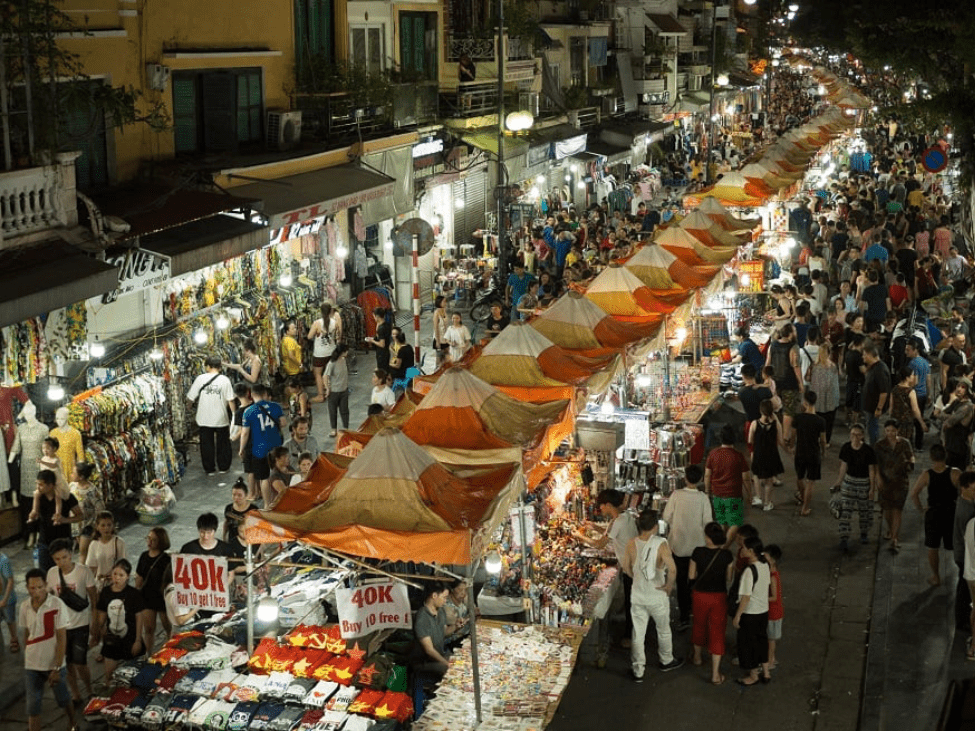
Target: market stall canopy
[578, 323]
[327, 469]
[711, 233]
[621, 294]
[652, 259]
[713, 208]
[522, 357]
[732, 190]
[395, 502]
[690, 249]
[755, 171]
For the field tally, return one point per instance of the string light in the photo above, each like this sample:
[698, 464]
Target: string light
[285, 279]
[55, 392]
[267, 610]
[223, 322]
[341, 251]
[201, 337]
[492, 563]
[96, 350]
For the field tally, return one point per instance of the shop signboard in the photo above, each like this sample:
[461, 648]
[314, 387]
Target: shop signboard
[202, 582]
[522, 522]
[755, 269]
[138, 269]
[370, 607]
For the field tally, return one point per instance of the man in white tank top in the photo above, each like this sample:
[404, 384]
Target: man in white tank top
[650, 562]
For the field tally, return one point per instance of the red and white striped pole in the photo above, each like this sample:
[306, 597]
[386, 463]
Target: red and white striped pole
[415, 278]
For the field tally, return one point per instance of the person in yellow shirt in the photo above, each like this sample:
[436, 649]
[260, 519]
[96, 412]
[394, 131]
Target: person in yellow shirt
[290, 350]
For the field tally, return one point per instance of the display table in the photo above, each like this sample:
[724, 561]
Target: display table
[492, 605]
[524, 670]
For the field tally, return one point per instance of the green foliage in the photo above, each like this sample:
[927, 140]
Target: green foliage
[519, 20]
[575, 97]
[364, 88]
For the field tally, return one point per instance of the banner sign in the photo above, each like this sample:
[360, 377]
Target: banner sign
[367, 608]
[138, 269]
[202, 582]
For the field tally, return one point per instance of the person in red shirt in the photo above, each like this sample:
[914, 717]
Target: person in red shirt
[727, 478]
[775, 612]
[898, 292]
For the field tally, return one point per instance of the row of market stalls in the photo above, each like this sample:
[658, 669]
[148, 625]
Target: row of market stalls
[494, 463]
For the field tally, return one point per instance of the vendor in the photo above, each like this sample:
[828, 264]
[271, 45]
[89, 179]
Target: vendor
[458, 613]
[430, 627]
[620, 531]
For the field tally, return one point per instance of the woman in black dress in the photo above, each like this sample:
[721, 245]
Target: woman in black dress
[765, 436]
[148, 579]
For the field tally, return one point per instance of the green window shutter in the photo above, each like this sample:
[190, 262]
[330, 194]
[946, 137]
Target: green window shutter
[219, 112]
[325, 27]
[406, 42]
[184, 113]
[419, 44]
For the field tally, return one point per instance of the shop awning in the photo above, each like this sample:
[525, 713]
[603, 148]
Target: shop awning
[695, 101]
[658, 130]
[487, 140]
[563, 140]
[666, 24]
[37, 279]
[150, 209]
[297, 198]
[206, 242]
[744, 79]
[614, 154]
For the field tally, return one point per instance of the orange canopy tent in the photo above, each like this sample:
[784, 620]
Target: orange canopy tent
[577, 323]
[713, 208]
[620, 293]
[732, 190]
[653, 260]
[525, 364]
[711, 234]
[688, 248]
[396, 502]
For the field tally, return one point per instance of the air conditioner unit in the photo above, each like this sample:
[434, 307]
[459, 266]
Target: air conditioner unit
[283, 129]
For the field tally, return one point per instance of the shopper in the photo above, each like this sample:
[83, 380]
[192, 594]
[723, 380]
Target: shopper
[105, 550]
[727, 481]
[773, 554]
[620, 530]
[687, 512]
[74, 584]
[876, 390]
[496, 321]
[382, 394]
[8, 602]
[968, 574]
[857, 484]
[298, 403]
[401, 356]
[751, 395]
[942, 483]
[336, 381]
[516, 287]
[751, 616]
[382, 338]
[119, 619]
[748, 350]
[957, 424]
[853, 368]
[243, 393]
[301, 441]
[325, 334]
[440, 320]
[458, 337]
[810, 448]
[280, 476]
[263, 425]
[649, 562]
[895, 462]
[964, 512]
[51, 524]
[824, 379]
[291, 356]
[783, 356]
[923, 387]
[710, 573]
[89, 497]
[765, 440]
[44, 619]
[214, 397]
[305, 462]
[904, 408]
[152, 566]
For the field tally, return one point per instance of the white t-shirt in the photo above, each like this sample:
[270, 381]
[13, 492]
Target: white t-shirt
[102, 557]
[687, 512]
[213, 393]
[324, 344]
[384, 396]
[808, 354]
[79, 580]
[969, 571]
[41, 628]
[756, 590]
[621, 532]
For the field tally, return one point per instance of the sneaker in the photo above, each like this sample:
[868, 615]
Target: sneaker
[768, 506]
[756, 501]
[636, 678]
[777, 482]
[672, 665]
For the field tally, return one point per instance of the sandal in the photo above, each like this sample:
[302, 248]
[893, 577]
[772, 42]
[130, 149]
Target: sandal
[719, 681]
[970, 649]
[14, 646]
[332, 433]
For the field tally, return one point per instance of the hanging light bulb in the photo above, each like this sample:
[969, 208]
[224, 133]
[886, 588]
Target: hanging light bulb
[223, 322]
[285, 279]
[155, 353]
[341, 251]
[388, 245]
[55, 392]
[267, 610]
[96, 350]
[458, 203]
[745, 280]
[492, 563]
[681, 334]
[200, 336]
[580, 185]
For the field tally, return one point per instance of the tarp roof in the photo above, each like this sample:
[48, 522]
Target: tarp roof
[395, 502]
[713, 207]
[620, 293]
[652, 258]
[577, 322]
[705, 228]
[689, 248]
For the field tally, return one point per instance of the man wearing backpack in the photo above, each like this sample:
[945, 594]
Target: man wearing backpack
[783, 356]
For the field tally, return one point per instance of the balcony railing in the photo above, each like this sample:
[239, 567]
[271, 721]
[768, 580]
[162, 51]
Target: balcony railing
[415, 104]
[483, 49]
[472, 99]
[38, 198]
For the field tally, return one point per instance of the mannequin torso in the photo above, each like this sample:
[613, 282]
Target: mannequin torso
[71, 449]
[27, 443]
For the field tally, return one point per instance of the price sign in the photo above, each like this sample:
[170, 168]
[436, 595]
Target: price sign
[374, 606]
[202, 582]
[523, 517]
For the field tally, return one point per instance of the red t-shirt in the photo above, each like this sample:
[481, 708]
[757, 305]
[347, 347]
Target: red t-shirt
[727, 466]
[898, 294]
[775, 610]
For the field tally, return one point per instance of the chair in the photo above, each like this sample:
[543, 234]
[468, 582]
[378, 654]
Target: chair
[404, 383]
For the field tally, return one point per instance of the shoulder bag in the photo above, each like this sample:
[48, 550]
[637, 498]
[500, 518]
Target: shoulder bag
[72, 600]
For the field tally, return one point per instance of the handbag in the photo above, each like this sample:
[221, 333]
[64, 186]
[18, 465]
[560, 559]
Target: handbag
[72, 600]
[710, 564]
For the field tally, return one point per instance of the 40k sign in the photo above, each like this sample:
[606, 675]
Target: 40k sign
[374, 606]
[202, 582]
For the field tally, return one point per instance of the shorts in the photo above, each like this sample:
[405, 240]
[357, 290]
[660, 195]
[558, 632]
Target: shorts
[76, 652]
[728, 511]
[775, 629]
[35, 681]
[320, 362]
[808, 469]
[939, 525]
[118, 650]
[247, 461]
[9, 613]
[260, 467]
[791, 402]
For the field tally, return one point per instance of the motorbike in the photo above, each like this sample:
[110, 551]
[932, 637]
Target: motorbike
[481, 309]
